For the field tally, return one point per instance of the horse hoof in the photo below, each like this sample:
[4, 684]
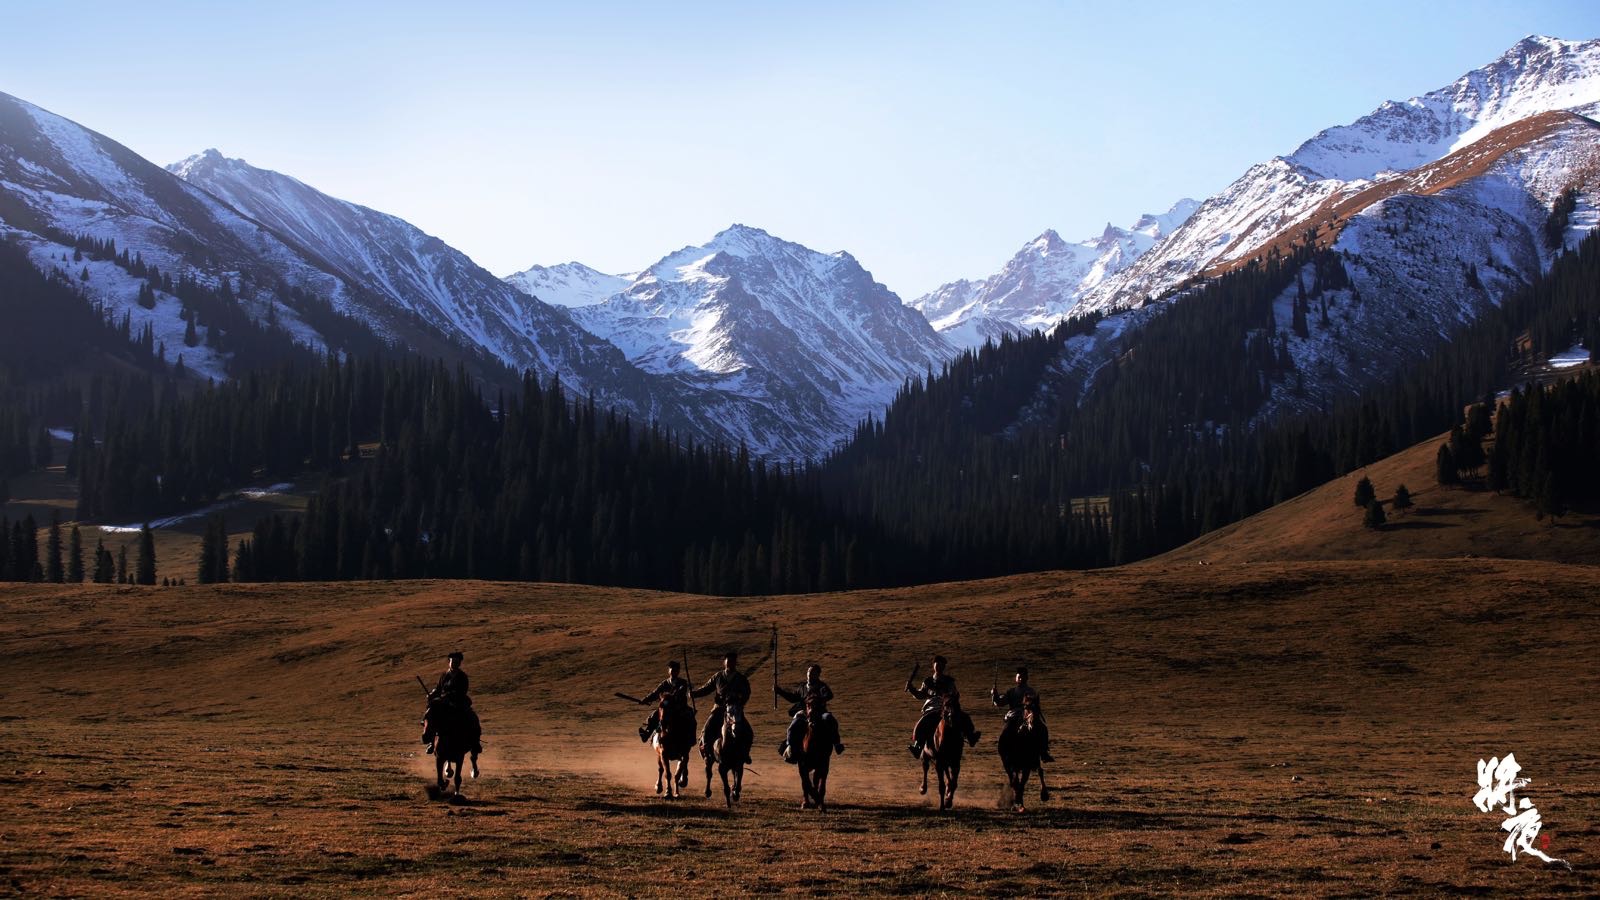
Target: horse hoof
[474, 771]
[1044, 795]
[923, 789]
[708, 792]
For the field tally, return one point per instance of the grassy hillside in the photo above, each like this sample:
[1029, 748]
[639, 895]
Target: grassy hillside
[1325, 524]
[1271, 729]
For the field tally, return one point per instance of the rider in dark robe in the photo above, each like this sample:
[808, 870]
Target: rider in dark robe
[813, 686]
[731, 688]
[933, 692]
[450, 695]
[675, 690]
[1015, 697]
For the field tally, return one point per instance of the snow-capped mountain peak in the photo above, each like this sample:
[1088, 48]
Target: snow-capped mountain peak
[1535, 75]
[570, 284]
[1043, 281]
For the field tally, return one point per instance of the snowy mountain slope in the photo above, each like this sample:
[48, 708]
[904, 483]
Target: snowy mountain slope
[265, 233]
[1045, 279]
[808, 335]
[1435, 251]
[1537, 75]
[1271, 200]
[399, 268]
[59, 180]
[569, 285]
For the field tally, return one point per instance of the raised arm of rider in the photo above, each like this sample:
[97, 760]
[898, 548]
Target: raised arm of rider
[924, 692]
[791, 696]
[704, 689]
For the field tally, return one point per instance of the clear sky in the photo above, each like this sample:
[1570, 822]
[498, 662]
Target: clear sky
[931, 140]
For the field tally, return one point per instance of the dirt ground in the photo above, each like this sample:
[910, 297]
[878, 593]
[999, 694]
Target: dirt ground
[1226, 730]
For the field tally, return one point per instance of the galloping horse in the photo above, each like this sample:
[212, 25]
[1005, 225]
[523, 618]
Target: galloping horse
[729, 752]
[451, 743]
[943, 752]
[1020, 750]
[673, 739]
[815, 753]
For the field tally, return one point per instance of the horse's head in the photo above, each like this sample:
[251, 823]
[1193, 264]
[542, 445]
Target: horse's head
[951, 705]
[1030, 712]
[732, 716]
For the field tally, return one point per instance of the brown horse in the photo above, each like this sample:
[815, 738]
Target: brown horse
[451, 744]
[815, 753]
[1020, 750]
[729, 752]
[675, 736]
[943, 752]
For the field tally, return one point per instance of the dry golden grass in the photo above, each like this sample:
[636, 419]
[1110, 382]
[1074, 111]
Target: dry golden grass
[1278, 729]
[1467, 521]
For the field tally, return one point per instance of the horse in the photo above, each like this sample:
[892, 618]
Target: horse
[729, 752]
[1020, 750]
[675, 735]
[815, 754]
[451, 744]
[943, 752]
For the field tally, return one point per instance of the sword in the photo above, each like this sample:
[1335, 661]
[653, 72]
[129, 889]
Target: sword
[692, 705]
[424, 685]
[913, 676]
[621, 696]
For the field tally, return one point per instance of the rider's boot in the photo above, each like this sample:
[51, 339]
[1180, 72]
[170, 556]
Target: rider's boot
[644, 734]
[838, 748]
[972, 737]
[916, 749]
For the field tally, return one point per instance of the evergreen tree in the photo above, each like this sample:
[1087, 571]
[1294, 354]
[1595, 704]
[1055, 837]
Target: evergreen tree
[122, 564]
[1364, 492]
[1374, 517]
[146, 573]
[55, 570]
[75, 556]
[1402, 499]
[104, 567]
[1445, 471]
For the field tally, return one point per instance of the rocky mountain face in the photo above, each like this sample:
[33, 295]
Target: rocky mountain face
[1435, 207]
[1273, 198]
[393, 272]
[806, 334]
[1043, 282]
[753, 341]
[569, 285]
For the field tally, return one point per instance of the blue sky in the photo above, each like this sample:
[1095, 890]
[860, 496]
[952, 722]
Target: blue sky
[931, 140]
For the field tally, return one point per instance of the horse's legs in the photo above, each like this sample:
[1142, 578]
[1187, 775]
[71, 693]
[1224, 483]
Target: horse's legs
[925, 762]
[955, 776]
[1044, 789]
[727, 790]
[710, 758]
[662, 770]
[821, 777]
[438, 770]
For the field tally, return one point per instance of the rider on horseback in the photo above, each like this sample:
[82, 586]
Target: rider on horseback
[813, 687]
[933, 692]
[1016, 698]
[450, 694]
[675, 691]
[731, 689]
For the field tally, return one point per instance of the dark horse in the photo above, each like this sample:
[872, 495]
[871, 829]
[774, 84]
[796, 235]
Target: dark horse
[451, 744]
[815, 753]
[675, 736]
[730, 751]
[1020, 751]
[943, 752]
